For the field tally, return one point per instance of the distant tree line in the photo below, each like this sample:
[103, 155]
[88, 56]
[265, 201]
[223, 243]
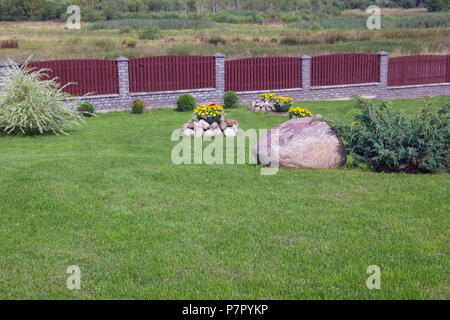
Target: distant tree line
[14, 10]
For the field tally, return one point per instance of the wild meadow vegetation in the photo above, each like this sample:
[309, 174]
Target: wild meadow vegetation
[108, 199]
[403, 32]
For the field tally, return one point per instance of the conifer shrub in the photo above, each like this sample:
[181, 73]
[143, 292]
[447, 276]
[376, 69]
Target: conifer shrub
[185, 102]
[86, 109]
[231, 99]
[389, 141]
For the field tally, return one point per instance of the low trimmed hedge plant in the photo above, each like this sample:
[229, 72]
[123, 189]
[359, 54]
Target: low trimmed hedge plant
[86, 109]
[138, 106]
[185, 102]
[389, 141]
[231, 100]
[149, 33]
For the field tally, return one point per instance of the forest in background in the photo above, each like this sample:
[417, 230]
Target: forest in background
[230, 11]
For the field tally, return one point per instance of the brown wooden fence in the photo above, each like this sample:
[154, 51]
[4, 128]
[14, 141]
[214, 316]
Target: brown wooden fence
[423, 69]
[262, 74]
[171, 73]
[347, 68]
[91, 76]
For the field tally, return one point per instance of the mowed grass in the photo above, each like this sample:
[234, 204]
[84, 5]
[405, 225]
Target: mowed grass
[108, 199]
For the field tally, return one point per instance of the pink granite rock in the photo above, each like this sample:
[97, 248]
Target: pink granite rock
[303, 143]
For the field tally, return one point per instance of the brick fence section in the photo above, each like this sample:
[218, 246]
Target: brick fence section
[377, 90]
[123, 100]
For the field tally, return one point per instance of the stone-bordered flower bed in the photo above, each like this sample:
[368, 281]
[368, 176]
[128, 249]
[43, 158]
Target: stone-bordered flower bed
[208, 121]
[271, 102]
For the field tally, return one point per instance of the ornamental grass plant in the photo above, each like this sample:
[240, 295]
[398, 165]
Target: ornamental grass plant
[30, 103]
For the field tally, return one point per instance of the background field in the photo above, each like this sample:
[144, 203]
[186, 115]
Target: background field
[108, 199]
[404, 33]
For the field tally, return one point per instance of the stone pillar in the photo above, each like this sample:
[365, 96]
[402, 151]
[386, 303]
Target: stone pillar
[219, 66]
[448, 67]
[124, 80]
[305, 72]
[384, 59]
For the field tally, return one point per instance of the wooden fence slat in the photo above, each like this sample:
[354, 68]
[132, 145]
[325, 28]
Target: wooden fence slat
[90, 75]
[419, 69]
[166, 73]
[347, 68]
[262, 74]
[268, 73]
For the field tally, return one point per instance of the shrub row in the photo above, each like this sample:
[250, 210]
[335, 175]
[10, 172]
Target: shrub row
[186, 102]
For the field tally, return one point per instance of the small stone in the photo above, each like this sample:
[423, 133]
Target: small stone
[251, 108]
[188, 132]
[229, 132]
[218, 132]
[223, 125]
[229, 122]
[199, 133]
[214, 126]
[235, 128]
[198, 129]
[257, 109]
[205, 125]
[208, 133]
[188, 125]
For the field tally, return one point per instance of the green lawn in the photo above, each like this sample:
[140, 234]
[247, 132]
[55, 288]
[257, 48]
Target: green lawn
[108, 199]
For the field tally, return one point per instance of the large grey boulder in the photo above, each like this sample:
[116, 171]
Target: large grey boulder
[303, 143]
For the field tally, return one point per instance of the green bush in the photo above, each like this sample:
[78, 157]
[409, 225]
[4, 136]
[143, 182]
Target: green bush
[138, 106]
[124, 30]
[217, 40]
[434, 5]
[162, 24]
[289, 17]
[231, 99]
[86, 109]
[233, 16]
[316, 27]
[31, 105]
[149, 33]
[185, 102]
[290, 41]
[389, 141]
[131, 43]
